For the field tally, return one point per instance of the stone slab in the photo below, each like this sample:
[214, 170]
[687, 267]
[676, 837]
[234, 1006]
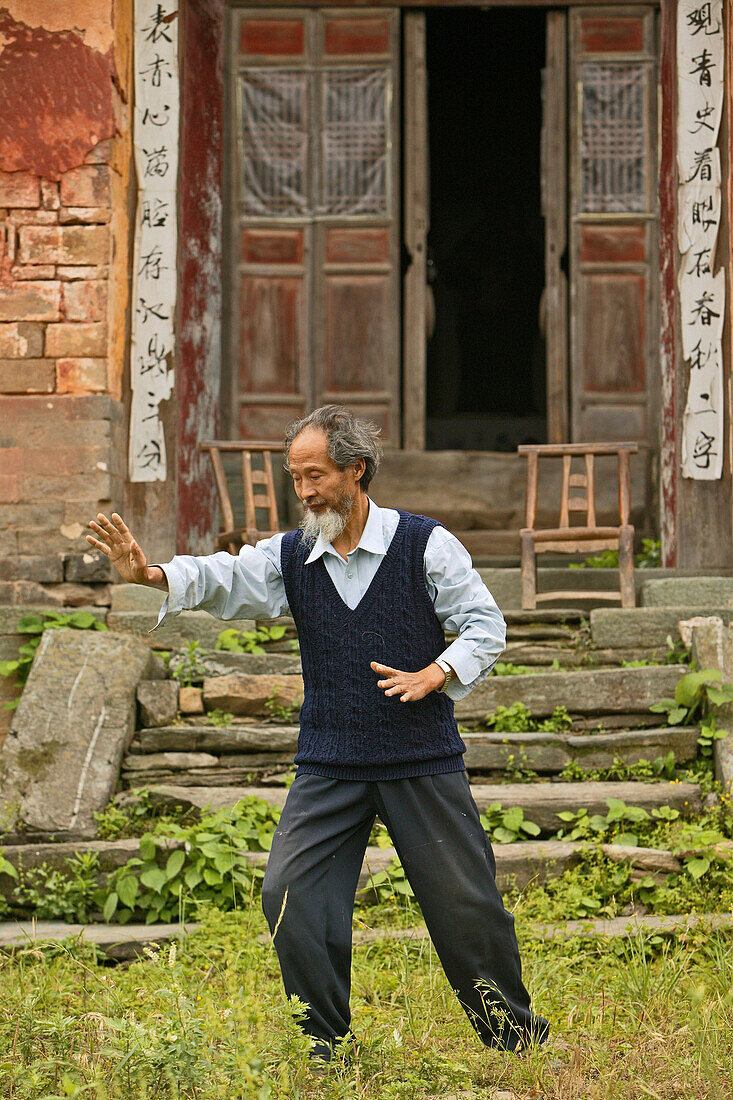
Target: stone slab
[240, 693]
[724, 762]
[189, 626]
[548, 753]
[588, 691]
[136, 597]
[506, 587]
[60, 762]
[221, 662]
[715, 591]
[158, 702]
[541, 801]
[121, 942]
[218, 739]
[632, 627]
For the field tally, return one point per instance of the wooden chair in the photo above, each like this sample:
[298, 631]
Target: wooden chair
[567, 539]
[233, 537]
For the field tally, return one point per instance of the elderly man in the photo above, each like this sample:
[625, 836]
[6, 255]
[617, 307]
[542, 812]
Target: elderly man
[371, 591]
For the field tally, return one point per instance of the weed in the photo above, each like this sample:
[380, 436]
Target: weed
[218, 717]
[517, 718]
[507, 826]
[696, 696]
[281, 712]
[35, 625]
[249, 641]
[185, 666]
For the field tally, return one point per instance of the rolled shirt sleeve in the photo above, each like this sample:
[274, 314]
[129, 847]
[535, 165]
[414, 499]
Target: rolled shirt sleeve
[463, 604]
[246, 586]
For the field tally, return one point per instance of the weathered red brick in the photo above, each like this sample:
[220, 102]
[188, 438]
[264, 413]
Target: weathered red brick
[33, 217]
[19, 189]
[76, 340]
[68, 274]
[26, 376]
[85, 300]
[64, 244]
[100, 154]
[85, 215]
[54, 461]
[69, 488]
[31, 301]
[81, 375]
[9, 488]
[33, 271]
[50, 195]
[20, 340]
[86, 186]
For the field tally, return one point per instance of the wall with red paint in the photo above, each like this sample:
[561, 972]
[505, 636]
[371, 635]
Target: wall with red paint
[64, 258]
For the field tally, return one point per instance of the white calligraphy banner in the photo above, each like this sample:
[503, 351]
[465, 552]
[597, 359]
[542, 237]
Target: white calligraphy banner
[700, 91]
[154, 287]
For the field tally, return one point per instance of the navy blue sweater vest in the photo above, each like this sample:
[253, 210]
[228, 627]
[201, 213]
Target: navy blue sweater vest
[349, 729]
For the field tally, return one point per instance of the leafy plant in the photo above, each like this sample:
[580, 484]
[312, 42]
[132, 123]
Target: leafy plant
[210, 865]
[695, 698]
[709, 734]
[185, 666]
[135, 816]
[506, 668]
[250, 641]
[580, 825]
[392, 884]
[35, 625]
[281, 712]
[660, 766]
[517, 718]
[219, 717]
[506, 826]
[59, 893]
[649, 557]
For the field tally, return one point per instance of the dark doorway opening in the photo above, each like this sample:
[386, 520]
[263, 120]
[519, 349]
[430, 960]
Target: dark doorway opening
[486, 356]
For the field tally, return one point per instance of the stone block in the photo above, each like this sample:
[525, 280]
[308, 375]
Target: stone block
[27, 375]
[190, 700]
[50, 195]
[714, 592]
[86, 186]
[221, 662]
[237, 738]
[21, 340]
[169, 761]
[64, 244]
[585, 692]
[187, 627]
[136, 597]
[43, 568]
[79, 376]
[82, 271]
[60, 762]
[239, 693]
[76, 340]
[85, 300]
[724, 762]
[90, 567]
[642, 627]
[31, 301]
[85, 215]
[19, 189]
[157, 702]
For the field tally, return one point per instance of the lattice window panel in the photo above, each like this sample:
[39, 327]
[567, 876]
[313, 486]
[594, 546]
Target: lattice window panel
[355, 169]
[614, 140]
[274, 142]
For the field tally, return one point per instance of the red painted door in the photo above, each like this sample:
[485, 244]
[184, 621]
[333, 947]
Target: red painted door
[614, 334]
[314, 252]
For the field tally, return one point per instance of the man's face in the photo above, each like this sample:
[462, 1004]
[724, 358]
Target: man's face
[324, 490]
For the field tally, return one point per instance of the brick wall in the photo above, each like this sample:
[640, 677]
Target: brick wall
[62, 448]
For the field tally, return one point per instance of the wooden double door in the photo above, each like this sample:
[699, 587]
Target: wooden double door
[329, 178]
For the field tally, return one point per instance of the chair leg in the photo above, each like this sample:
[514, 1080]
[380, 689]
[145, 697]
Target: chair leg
[626, 566]
[529, 571]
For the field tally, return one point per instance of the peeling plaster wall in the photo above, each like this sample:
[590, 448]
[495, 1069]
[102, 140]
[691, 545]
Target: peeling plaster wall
[65, 183]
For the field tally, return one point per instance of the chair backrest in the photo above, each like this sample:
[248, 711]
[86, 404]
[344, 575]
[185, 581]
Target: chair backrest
[258, 485]
[584, 481]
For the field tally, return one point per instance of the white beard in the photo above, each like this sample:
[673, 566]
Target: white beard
[329, 523]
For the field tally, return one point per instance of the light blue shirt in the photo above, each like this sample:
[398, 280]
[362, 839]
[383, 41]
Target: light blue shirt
[251, 586]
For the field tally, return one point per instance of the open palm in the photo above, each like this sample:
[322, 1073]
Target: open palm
[115, 539]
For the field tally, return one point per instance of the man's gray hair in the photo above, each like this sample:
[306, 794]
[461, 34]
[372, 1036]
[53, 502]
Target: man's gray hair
[349, 439]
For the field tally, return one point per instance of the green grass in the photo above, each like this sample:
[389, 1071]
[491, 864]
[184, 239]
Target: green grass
[648, 1017]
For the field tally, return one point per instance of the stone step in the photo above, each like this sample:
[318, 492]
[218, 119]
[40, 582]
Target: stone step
[541, 801]
[688, 591]
[639, 627]
[121, 942]
[546, 753]
[583, 692]
[505, 584]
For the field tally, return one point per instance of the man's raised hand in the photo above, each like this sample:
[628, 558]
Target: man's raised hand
[115, 539]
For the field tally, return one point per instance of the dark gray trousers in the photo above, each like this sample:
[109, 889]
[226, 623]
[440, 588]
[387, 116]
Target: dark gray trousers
[316, 856]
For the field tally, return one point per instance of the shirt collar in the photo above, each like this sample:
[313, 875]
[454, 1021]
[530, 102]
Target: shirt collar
[372, 538]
